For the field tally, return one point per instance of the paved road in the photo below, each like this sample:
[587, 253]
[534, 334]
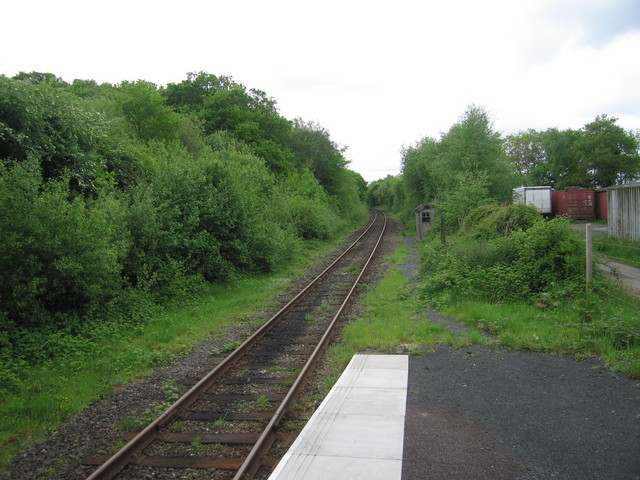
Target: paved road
[480, 414]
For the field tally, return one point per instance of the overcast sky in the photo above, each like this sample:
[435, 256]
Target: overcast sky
[378, 75]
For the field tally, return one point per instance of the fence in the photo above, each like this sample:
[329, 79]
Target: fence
[624, 212]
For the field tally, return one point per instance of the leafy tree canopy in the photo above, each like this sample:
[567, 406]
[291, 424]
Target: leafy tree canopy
[599, 155]
[38, 121]
[607, 153]
[250, 115]
[465, 168]
[144, 108]
[312, 147]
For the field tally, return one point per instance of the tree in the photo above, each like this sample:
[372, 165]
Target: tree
[312, 146]
[359, 182]
[252, 118]
[40, 77]
[45, 123]
[525, 151]
[190, 94]
[464, 169]
[599, 155]
[473, 146]
[419, 170]
[249, 115]
[144, 108]
[559, 148]
[63, 133]
[607, 154]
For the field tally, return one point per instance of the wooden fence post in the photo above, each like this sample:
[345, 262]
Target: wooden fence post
[589, 255]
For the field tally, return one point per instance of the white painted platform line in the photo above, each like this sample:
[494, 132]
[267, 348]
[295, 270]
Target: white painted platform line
[358, 430]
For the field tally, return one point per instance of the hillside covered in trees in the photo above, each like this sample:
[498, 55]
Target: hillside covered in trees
[118, 197]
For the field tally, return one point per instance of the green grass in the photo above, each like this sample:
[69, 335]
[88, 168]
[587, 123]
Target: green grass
[60, 389]
[613, 335]
[393, 321]
[624, 251]
[52, 392]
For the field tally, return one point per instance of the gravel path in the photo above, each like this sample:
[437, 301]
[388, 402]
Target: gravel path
[482, 413]
[629, 276]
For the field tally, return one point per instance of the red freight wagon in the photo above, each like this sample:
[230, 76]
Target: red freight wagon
[602, 205]
[575, 203]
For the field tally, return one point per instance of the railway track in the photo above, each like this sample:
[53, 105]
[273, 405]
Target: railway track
[224, 424]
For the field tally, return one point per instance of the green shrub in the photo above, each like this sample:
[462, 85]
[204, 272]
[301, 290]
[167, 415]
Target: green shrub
[60, 258]
[477, 217]
[302, 207]
[491, 221]
[548, 252]
[203, 218]
[511, 255]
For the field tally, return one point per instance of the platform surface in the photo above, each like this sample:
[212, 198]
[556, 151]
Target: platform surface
[358, 430]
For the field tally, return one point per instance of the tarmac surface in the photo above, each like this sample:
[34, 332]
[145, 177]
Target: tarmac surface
[481, 414]
[471, 413]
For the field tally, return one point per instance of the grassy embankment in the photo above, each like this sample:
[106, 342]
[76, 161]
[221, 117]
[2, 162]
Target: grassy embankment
[584, 327]
[394, 321]
[57, 390]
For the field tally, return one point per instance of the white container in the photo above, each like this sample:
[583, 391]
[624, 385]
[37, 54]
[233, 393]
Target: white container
[539, 197]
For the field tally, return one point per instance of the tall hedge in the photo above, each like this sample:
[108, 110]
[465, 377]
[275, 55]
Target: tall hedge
[113, 198]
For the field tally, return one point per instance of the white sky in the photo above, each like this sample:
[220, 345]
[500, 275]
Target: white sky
[379, 75]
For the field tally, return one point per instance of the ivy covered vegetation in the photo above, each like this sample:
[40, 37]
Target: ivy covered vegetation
[117, 198]
[504, 268]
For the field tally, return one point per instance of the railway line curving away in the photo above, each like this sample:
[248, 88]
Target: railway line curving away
[249, 393]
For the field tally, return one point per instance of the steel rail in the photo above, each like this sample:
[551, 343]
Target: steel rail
[142, 440]
[252, 463]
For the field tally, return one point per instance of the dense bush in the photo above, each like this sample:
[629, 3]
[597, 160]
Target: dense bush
[510, 254]
[49, 125]
[114, 199]
[491, 221]
[300, 203]
[204, 217]
[60, 257]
